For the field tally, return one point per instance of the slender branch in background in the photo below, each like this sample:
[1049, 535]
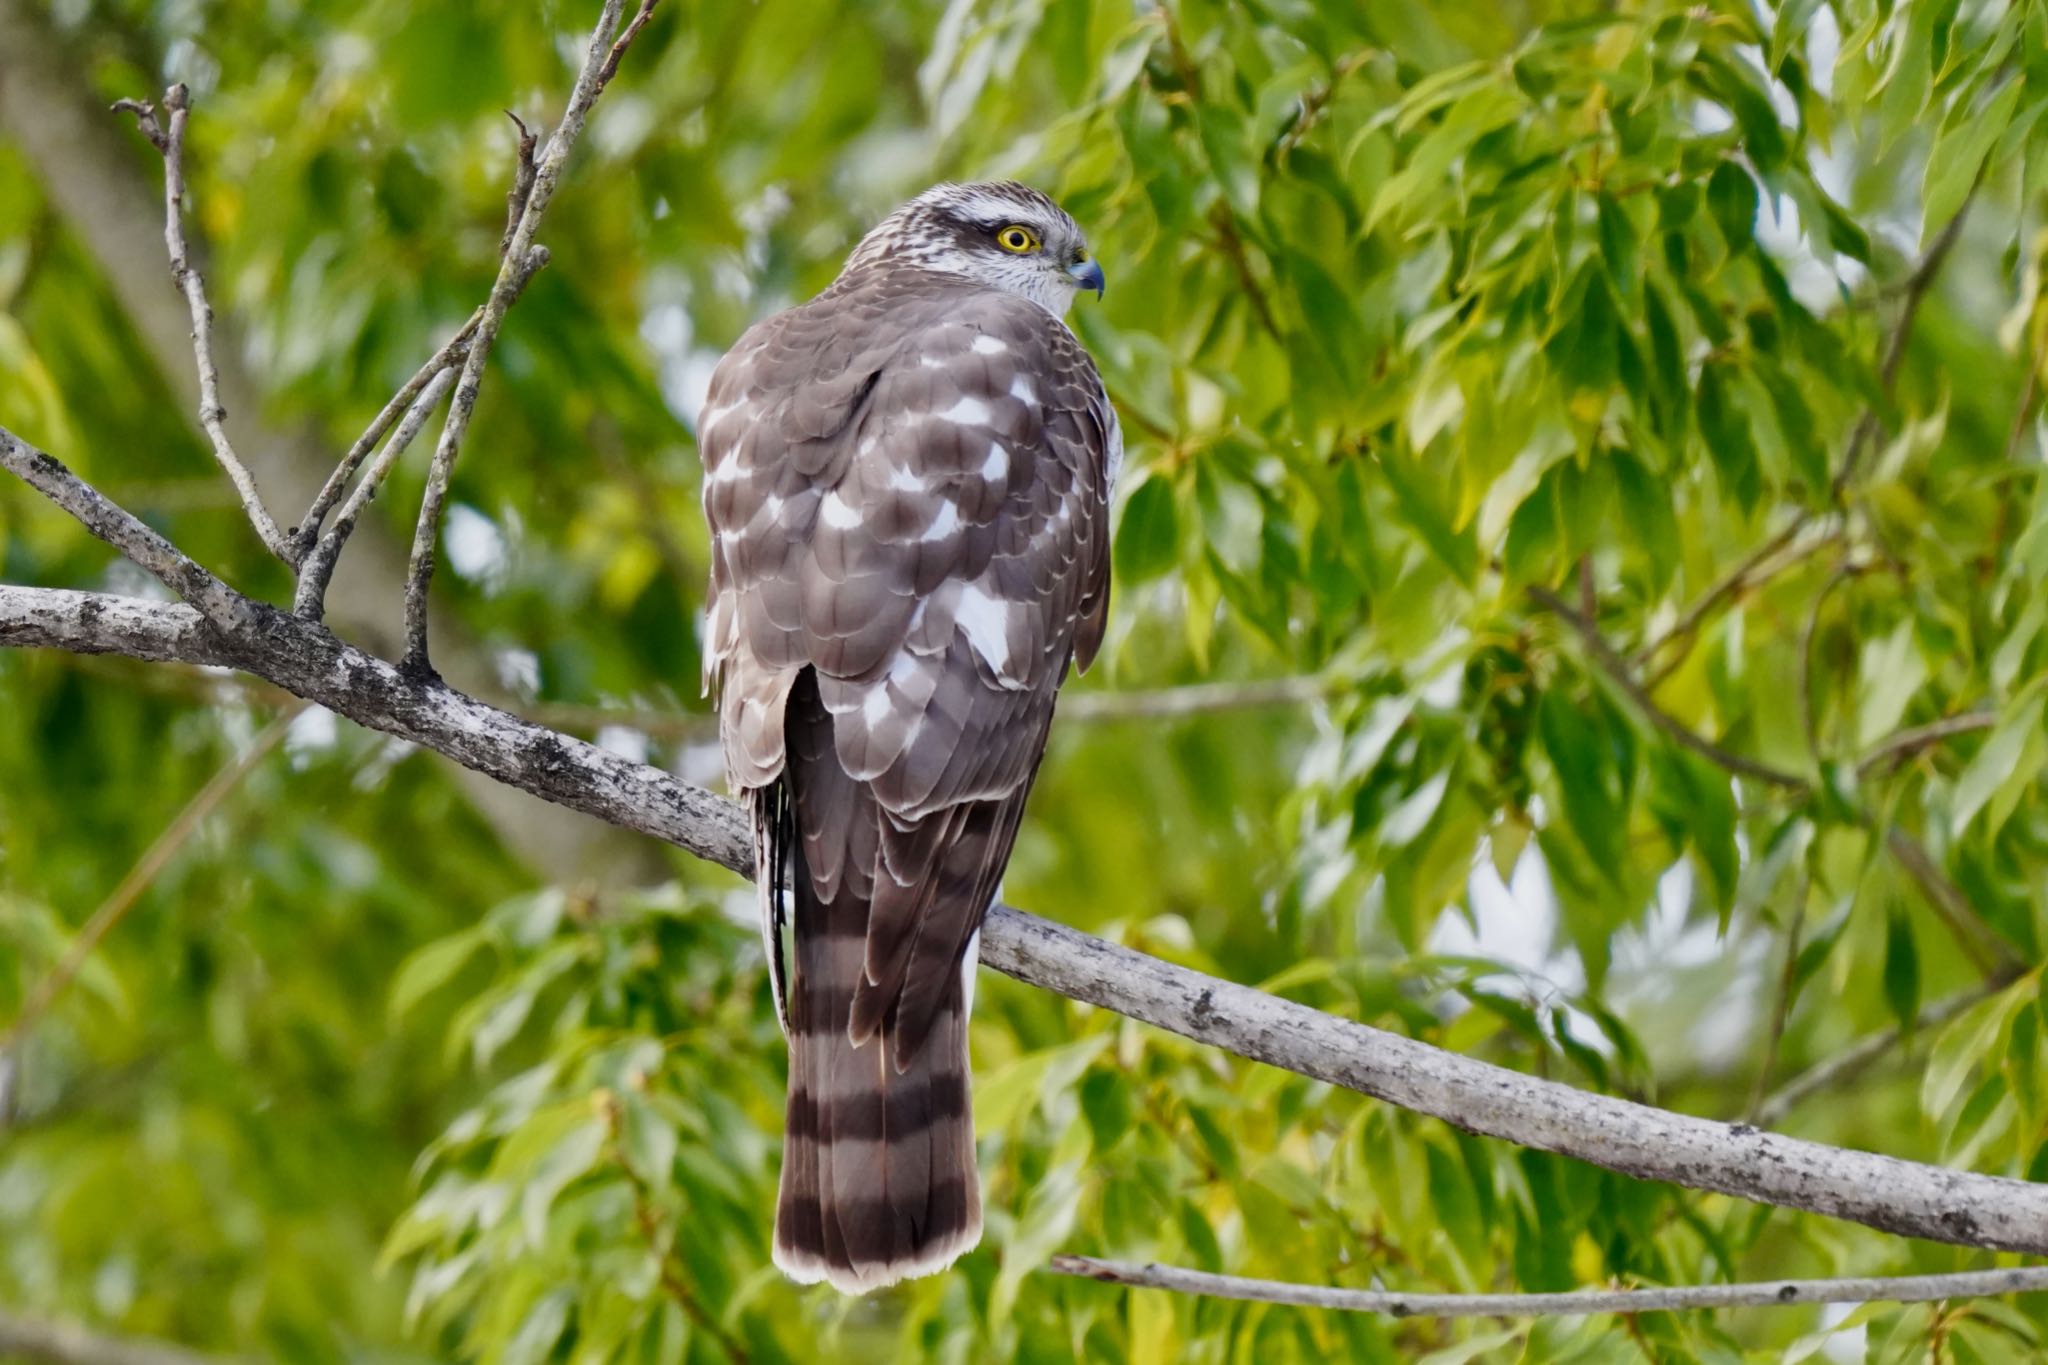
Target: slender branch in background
[1315, 103]
[1906, 743]
[1883, 1192]
[661, 1241]
[310, 600]
[1914, 293]
[1763, 1294]
[61, 1343]
[1076, 708]
[1988, 952]
[165, 562]
[116, 906]
[308, 530]
[1617, 669]
[1759, 565]
[1781, 1011]
[1853, 1061]
[1751, 568]
[601, 60]
[212, 416]
[1194, 699]
[2029, 395]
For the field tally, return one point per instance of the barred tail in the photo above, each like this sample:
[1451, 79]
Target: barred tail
[878, 1175]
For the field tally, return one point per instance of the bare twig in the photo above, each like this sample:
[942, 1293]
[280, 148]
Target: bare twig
[165, 562]
[1764, 1294]
[522, 182]
[212, 416]
[1617, 669]
[618, 52]
[310, 600]
[307, 532]
[600, 59]
[63, 1343]
[116, 906]
[1852, 1061]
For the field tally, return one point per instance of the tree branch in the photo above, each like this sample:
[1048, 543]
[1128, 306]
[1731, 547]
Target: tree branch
[163, 561]
[1617, 670]
[212, 416]
[60, 1343]
[1763, 1294]
[601, 60]
[305, 659]
[86, 166]
[310, 598]
[1853, 1060]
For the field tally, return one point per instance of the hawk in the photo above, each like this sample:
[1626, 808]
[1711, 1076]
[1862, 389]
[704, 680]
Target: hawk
[907, 481]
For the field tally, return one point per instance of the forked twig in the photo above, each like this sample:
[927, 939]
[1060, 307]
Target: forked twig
[600, 62]
[212, 416]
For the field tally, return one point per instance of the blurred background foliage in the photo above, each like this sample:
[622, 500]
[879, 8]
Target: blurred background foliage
[1618, 423]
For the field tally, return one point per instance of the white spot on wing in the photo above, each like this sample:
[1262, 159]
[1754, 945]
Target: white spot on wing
[997, 466]
[903, 479]
[1022, 391]
[988, 345]
[837, 512]
[944, 524]
[967, 412]
[874, 707]
[985, 620]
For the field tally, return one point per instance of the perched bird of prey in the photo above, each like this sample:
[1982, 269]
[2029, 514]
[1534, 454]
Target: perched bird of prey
[907, 481]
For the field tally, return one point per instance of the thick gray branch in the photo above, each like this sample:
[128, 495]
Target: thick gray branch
[1882, 1192]
[1968, 1284]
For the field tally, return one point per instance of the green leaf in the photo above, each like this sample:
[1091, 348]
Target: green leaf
[1901, 968]
[1726, 431]
[425, 970]
[1618, 248]
[1733, 200]
[1958, 155]
[1148, 534]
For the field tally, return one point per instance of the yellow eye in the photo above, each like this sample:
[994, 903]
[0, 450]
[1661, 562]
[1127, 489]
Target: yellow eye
[1018, 238]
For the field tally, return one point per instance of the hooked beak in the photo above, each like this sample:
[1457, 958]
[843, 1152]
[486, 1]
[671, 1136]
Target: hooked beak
[1088, 275]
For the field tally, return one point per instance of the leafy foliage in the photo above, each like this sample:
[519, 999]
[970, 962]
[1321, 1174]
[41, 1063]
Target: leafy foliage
[1629, 416]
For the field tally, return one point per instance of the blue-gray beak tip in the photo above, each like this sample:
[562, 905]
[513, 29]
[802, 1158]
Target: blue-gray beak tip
[1088, 275]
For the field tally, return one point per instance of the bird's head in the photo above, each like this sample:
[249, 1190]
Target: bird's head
[998, 233]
